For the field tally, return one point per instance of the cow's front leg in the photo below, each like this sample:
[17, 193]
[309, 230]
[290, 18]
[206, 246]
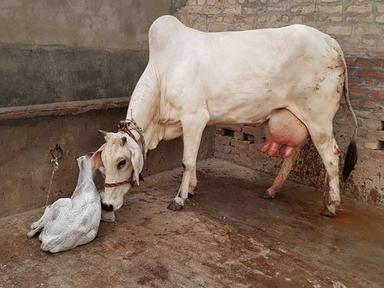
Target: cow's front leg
[39, 224]
[193, 127]
[192, 183]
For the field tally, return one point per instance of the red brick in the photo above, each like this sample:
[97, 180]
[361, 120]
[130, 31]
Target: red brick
[354, 81]
[368, 83]
[330, 9]
[380, 135]
[220, 131]
[355, 51]
[354, 85]
[223, 140]
[379, 84]
[252, 130]
[254, 148]
[365, 8]
[241, 146]
[360, 92]
[378, 62]
[231, 127]
[223, 148]
[363, 62]
[378, 95]
[376, 52]
[371, 73]
[339, 30]
[373, 124]
[373, 145]
[370, 104]
[309, 18]
[238, 135]
[350, 60]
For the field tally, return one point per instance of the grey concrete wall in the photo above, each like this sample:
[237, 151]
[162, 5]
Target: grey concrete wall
[25, 167]
[81, 23]
[46, 74]
[56, 50]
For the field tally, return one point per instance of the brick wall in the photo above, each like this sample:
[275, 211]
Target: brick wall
[359, 28]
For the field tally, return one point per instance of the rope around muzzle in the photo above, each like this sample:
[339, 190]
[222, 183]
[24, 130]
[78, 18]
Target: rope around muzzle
[111, 185]
[127, 126]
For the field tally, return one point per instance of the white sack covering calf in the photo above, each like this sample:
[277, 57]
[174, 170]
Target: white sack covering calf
[71, 222]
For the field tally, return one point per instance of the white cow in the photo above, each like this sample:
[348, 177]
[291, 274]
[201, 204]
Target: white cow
[194, 79]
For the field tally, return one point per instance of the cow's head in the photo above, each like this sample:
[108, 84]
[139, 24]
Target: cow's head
[121, 160]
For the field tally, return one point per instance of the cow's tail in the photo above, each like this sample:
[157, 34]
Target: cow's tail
[351, 156]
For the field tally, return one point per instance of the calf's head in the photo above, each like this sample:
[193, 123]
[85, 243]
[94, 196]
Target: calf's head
[121, 160]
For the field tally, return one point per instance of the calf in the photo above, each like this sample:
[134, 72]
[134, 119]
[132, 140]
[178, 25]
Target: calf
[70, 222]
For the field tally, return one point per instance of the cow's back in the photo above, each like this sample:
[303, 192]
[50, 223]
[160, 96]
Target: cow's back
[272, 47]
[236, 73]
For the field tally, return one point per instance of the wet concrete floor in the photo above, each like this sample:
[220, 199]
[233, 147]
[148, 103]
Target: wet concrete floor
[225, 237]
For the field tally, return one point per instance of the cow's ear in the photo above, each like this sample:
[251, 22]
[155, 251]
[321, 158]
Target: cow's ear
[96, 160]
[137, 162]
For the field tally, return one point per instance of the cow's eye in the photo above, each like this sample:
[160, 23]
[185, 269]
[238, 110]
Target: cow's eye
[121, 164]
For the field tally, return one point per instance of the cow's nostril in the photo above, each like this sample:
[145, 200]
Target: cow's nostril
[107, 207]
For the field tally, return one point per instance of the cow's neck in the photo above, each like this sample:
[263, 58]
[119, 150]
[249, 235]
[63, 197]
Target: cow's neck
[144, 107]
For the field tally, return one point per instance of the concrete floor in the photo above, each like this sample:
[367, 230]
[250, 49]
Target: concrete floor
[226, 237]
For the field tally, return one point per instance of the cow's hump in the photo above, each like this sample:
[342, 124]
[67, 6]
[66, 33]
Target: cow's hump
[163, 30]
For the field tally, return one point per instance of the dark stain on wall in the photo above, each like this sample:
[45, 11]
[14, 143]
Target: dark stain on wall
[46, 74]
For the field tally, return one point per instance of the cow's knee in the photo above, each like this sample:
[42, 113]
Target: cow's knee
[188, 165]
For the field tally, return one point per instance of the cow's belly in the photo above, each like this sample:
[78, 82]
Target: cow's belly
[248, 94]
[244, 107]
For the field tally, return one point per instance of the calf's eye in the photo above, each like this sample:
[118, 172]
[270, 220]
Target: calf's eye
[121, 164]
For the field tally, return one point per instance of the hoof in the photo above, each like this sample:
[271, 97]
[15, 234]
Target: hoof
[174, 206]
[267, 195]
[330, 209]
[191, 191]
[32, 233]
[328, 213]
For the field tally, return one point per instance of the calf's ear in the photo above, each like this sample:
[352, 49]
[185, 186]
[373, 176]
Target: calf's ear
[96, 160]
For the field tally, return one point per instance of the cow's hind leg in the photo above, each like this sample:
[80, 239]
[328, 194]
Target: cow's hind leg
[282, 176]
[193, 127]
[326, 145]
